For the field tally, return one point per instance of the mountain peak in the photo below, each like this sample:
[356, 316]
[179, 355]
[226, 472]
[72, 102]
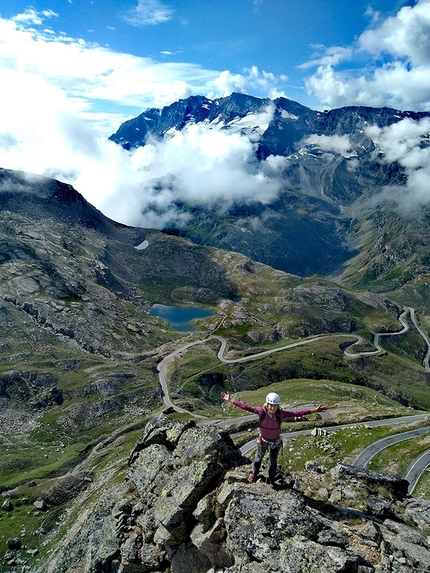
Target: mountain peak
[195, 109]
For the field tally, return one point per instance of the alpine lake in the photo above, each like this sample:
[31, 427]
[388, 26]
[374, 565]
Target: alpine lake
[179, 317]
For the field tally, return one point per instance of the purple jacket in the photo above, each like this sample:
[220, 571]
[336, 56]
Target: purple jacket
[269, 428]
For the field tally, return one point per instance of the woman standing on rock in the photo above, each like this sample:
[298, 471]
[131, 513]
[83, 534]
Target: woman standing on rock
[269, 438]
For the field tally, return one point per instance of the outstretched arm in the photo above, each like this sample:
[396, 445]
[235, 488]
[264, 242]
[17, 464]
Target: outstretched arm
[300, 413]
[255, 409]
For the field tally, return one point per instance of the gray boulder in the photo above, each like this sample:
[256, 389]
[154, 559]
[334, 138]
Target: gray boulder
[373, 481]
[40, 504]
[174, 465]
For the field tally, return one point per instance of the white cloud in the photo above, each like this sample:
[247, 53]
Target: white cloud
[262, 79]
[30, 16]
[90, 74]
[274, 93]
[406, 35]
[148, 13]
[406, 142]
[329, 57]
[392, 85]
[200, 166]
[401, 80]
[372, 14]
[226, 82]
[335, 143]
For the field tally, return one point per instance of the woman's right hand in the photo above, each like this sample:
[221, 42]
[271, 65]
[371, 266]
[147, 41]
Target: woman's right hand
[225, 396]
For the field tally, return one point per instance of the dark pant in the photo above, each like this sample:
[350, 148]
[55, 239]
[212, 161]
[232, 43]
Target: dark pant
[261, 452]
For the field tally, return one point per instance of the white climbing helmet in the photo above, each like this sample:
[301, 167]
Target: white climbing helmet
[273, 398]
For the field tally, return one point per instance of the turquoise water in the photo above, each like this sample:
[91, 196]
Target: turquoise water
[178, 316]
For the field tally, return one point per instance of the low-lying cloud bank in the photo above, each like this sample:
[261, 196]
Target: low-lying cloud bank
[407, 143]
[198, 166]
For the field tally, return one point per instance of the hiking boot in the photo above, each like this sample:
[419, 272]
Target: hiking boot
[252, 478]
[272, 483]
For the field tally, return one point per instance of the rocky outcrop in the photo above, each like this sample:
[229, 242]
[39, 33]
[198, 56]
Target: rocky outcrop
[186, 507]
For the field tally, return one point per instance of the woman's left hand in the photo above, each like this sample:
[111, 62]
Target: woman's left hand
[321, 408]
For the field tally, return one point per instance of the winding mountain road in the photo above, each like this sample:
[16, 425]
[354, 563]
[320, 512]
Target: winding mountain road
[378, 336]
[415, 469]
[423, 335]
[370, 452]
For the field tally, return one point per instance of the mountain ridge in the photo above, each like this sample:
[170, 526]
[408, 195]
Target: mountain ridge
[332, 177]
[157, 122]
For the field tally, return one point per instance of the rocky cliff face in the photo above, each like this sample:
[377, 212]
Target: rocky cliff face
[186, 507]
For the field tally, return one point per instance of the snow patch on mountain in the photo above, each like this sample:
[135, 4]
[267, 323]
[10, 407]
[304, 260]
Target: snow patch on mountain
[253, 124]
[340, 144]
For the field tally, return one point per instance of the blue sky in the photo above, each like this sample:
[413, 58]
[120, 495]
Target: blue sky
[120, 57]
[72, 71]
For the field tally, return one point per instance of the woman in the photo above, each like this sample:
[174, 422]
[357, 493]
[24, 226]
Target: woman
[269, 438]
